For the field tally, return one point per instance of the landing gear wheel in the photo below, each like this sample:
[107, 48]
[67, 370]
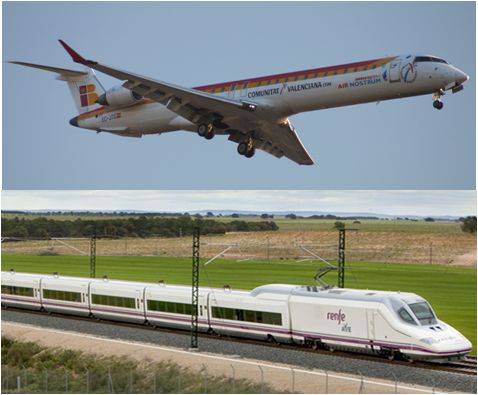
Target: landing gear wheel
[204, 129]
[438, 104]
[242, 148]
[209, 135]
[250, 153]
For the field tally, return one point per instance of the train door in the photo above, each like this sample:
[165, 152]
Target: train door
[143, 299]
[87, 296]
[208, 309]
[140, 300]
[394, 70]
[39, 292]
[371, 324]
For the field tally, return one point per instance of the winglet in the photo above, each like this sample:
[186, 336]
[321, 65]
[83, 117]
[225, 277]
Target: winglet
[77, 58]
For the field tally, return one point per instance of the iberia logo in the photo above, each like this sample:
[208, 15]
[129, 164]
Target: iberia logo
[88, 95]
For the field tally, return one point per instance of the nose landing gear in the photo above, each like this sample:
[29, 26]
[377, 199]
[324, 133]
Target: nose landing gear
[437, 103]
[246, 148]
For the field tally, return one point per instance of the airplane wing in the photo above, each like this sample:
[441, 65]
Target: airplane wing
[276, 137]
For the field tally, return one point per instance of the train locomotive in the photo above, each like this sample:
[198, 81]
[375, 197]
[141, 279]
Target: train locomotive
[391, 324]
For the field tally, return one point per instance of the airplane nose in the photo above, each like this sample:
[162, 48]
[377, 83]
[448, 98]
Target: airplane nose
[74, 121]
[460, 76]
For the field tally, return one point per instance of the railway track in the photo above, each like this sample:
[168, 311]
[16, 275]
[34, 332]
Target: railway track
[467, 366]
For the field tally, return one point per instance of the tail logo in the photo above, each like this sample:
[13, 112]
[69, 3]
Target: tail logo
[88, 95]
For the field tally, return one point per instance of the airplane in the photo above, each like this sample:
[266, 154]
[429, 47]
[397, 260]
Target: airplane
[254, 113]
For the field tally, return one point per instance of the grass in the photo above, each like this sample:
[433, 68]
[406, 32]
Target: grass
[450, 290]
[49, 370]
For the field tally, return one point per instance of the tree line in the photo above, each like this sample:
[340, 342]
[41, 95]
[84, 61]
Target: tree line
[142, 226]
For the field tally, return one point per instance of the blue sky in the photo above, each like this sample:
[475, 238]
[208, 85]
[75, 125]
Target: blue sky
[403, 144]
[400, 203]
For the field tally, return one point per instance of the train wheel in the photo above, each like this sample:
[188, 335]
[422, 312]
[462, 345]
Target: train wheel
[271, 339]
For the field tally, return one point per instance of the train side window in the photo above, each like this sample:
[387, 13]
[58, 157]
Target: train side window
[117, 301]
[272, 318]
[62, 295]
[261, 317]
[405, 316]
[170, 307]
[20, 291]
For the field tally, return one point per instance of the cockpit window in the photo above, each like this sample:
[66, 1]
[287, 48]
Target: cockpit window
[405, 316]
[423, 312]
[428, 59]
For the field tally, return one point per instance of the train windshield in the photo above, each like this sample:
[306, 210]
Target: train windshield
[405, 316]
[423, 312]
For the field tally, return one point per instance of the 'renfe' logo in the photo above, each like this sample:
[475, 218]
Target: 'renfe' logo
[339, 317]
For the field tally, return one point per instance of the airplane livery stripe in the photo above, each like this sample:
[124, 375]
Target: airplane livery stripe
[297, 75]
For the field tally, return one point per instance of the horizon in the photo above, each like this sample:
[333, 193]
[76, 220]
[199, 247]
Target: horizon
[374, 203]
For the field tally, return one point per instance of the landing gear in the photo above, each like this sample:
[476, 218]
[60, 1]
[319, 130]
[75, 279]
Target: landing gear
[206, 131]
[246, 148]
[250, 153]
[242, 148]
[437, 103]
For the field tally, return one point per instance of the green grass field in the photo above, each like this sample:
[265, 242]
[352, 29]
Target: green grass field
[450, 290]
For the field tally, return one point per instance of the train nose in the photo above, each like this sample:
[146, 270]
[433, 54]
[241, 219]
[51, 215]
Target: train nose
[74, 121]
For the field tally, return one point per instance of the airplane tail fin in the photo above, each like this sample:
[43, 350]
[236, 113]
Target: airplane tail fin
[84, 86]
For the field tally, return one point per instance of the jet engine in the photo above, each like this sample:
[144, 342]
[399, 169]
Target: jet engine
[118, 96]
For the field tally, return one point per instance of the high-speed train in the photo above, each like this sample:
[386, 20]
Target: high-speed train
[392, 324]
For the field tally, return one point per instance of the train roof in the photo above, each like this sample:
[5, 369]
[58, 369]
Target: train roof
[276, 291]
[333, 293]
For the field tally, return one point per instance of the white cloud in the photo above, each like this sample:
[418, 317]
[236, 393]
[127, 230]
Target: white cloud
[449, 202]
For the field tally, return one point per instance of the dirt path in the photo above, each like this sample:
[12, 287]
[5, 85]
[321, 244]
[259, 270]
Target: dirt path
[281, 377]
[468, 259]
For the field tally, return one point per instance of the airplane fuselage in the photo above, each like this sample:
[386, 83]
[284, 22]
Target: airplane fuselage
[287, 94]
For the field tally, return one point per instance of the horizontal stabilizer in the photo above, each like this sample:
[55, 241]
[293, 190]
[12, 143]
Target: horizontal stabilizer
[63, 72]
